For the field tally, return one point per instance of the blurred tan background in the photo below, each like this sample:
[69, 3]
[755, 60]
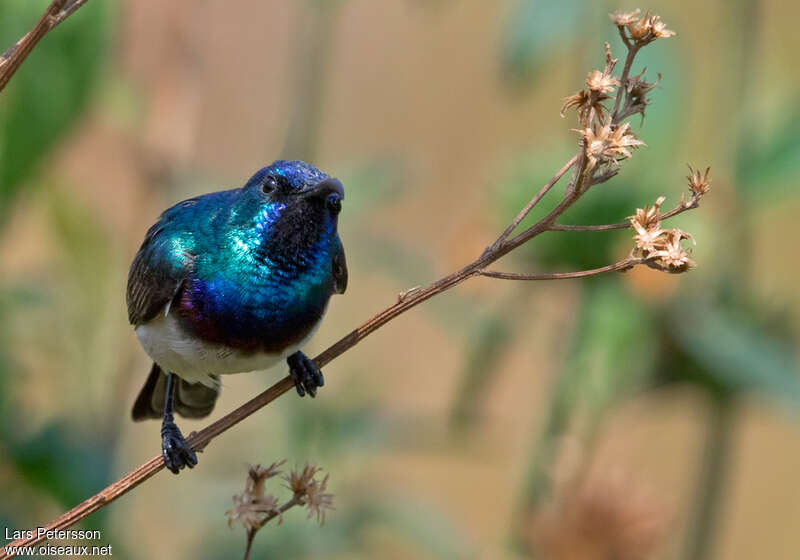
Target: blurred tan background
[635, 416]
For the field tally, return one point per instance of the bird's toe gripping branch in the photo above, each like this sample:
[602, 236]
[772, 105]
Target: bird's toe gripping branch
[176, 452]
[305, 373]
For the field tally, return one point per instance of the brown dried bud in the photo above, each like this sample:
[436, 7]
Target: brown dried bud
[608, 144]
[584, 101]
[250, 510]
[698, 182]
[601, 82]
[621, 19]
[317, 500]
[643, 30]
[300, 481]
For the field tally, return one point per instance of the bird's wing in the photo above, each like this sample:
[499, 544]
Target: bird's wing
[157, 272]
[339, 267]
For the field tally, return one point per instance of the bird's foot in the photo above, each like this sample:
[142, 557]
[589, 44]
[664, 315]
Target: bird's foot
[305, 373]
[176, 452]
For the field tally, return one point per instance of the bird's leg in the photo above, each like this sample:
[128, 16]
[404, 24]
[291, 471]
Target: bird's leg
[305, 373]
[176, 452]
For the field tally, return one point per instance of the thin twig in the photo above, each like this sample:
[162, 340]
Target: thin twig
[621, 265]
[633, 49]
[251, 532]
[14, 56]
[533, 202]
[690, 205]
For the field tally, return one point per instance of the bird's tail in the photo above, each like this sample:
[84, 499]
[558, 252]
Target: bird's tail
[191, 400]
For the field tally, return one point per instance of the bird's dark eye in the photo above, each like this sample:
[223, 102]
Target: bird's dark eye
[334, 203]
[270, 184]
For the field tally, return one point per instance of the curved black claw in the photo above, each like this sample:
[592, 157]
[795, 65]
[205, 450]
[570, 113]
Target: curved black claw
[305, 373]
[176, 452]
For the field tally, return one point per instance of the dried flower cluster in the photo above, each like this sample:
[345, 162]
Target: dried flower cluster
[663, 248]
[589, 102]
[606, 138]
[254, 508]
[640, 31]
[698, 182]
[310, 492]
[608, 145]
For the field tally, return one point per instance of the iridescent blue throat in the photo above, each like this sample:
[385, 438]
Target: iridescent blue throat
[255, 284]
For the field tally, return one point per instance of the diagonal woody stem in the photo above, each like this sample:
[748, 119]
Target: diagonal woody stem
[625, 264]
[14, 56]
[533, 202]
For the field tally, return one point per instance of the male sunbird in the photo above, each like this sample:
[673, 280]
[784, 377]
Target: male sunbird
[234, 281]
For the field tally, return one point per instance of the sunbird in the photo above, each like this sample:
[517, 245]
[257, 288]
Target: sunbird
[234, 281]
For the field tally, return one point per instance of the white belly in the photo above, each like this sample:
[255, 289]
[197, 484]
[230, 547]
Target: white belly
[172, 348]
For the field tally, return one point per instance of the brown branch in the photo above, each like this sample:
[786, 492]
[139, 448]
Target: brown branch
[14, 56]
[533, 202]
[694, 202]
[633, 50]
[626, 264]
[251, 533]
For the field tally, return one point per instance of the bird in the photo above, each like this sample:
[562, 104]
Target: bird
[234, 281]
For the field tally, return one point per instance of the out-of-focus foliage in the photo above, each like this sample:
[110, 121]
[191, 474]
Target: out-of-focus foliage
[764, 169]
[487, 343]
[535, 28]
[728, 351]
[48, 92]
[38, 108]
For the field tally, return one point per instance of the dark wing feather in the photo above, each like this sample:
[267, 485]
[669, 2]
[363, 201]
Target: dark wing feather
[339, 267]
[155, 276]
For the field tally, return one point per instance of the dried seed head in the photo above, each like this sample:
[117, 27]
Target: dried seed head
[698, 182]
[301, 480]
[642, 30]
[584, 101]
[638, 89]
[671, 256]
[608, 144]
[317, 500]
[257, 475]
[662, 248]
[621, 19]
[579, 100]
[659, 28]
[601, 82]
[648, 217]
[250, 510]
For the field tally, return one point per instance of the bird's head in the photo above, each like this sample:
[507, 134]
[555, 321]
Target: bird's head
[289, 208]
[299, 189]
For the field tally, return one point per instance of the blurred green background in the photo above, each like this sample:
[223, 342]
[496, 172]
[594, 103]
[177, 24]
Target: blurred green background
[631, 416]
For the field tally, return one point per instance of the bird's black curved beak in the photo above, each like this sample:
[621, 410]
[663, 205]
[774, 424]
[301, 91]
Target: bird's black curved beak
[326, 187]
